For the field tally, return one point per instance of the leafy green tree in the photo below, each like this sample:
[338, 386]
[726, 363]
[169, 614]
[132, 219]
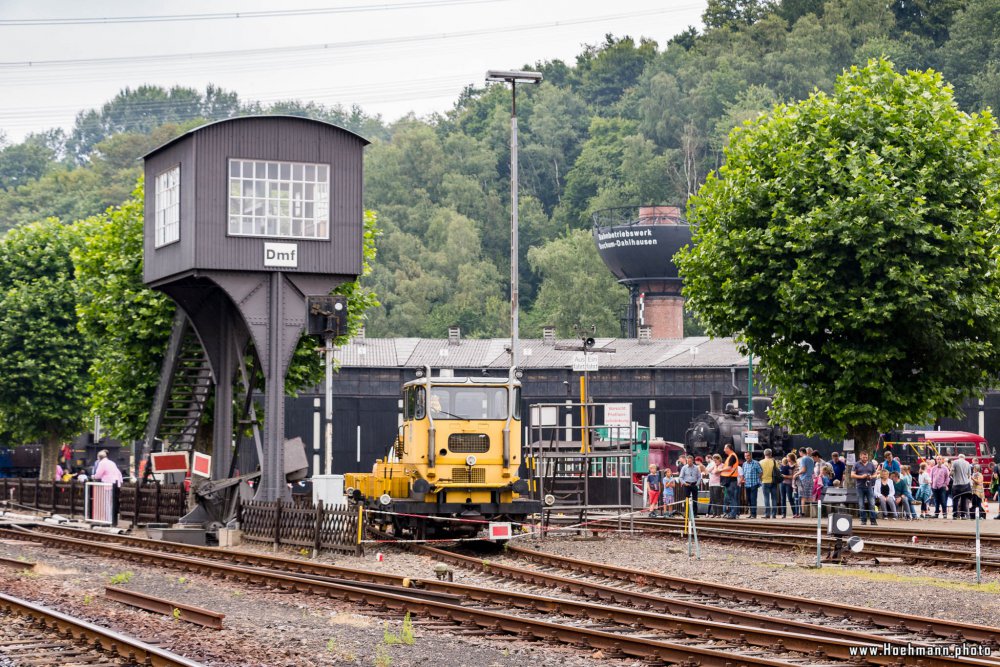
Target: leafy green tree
[599, 164]
[552, 142]
[926, 18]
[29, 160]
[850, 242]
[974, 51]
[43, 359]
[734, 14]
[128, 323]
[577, 289]
[140, 110]
[605, 72]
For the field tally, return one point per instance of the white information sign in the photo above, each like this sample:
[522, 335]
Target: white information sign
[584, 361]
[750, 438]
[618, 414]
[545, 416]
[281, 255]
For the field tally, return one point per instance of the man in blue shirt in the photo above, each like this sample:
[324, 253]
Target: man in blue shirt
[891, 464]
[690, 476]
[839, 467]
[751, 481]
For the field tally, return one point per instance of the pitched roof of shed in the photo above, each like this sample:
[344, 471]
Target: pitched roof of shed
[691, 352]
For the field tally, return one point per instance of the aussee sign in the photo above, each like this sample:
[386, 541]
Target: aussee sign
[283, 255]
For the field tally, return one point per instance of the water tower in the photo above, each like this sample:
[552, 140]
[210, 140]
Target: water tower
[245, 219]
[638, 244]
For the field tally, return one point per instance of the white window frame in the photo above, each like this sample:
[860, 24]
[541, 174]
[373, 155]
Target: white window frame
[278, 199]
[167, 207]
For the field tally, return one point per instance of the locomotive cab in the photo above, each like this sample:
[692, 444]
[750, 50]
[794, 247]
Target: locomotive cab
[455, 462]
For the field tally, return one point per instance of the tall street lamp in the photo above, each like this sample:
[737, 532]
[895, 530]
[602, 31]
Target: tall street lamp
[513, 78]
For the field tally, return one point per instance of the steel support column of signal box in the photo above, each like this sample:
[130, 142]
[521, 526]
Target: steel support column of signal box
[244, 219]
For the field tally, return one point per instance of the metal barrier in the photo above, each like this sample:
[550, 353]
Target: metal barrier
[101, 503]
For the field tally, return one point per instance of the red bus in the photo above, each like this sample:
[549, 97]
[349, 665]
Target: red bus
[913, 447]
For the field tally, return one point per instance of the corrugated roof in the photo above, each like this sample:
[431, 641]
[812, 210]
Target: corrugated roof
[691, 352]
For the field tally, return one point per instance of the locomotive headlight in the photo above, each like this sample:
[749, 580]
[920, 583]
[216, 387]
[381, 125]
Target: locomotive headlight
[385, 499]
[470, 460]
[549, 500]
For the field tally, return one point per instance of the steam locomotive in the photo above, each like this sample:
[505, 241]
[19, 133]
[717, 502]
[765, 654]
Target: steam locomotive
[711, 431]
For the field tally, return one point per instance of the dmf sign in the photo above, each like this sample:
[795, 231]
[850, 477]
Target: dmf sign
[283, 255]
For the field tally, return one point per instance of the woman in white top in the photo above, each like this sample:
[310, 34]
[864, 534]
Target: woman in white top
[885, 494]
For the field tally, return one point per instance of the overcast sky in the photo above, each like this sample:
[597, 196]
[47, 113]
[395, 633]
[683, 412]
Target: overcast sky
[58, 57]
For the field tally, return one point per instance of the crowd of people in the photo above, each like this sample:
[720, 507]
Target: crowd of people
[886, 489]
[103, 470]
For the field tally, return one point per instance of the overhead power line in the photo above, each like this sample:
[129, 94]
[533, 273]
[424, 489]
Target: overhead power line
[274, 50]
[218, 16]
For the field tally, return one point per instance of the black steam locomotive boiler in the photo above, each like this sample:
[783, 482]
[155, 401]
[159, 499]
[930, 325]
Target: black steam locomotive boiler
[726, 424]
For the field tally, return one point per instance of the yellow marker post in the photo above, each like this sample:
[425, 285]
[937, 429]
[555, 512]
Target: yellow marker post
[687, 515]
[584, 440]
[361, 511]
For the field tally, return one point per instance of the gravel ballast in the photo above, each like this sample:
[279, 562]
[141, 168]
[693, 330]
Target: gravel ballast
[269, 628]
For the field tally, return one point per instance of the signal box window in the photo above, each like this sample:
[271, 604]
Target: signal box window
[168, 207]
[279, 199]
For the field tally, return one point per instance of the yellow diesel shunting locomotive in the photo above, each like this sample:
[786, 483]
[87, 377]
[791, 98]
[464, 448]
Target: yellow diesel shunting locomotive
[455, 463]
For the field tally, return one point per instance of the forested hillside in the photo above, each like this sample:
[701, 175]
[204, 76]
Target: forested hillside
[631, 121]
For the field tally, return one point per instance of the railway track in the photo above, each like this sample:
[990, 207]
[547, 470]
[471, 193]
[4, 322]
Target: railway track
[34, 635]
[903, 531]
[804, 537]
[669, 629]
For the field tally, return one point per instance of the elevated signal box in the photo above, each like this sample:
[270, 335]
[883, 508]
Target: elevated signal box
[246, 220]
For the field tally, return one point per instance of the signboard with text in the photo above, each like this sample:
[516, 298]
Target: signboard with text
[585, 361]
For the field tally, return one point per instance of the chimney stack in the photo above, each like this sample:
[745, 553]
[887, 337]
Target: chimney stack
[454, 335]
[549, 335]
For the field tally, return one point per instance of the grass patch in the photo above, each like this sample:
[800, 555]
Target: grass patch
[889, 577]
[404, 637]
[121, 578]
[382, 657]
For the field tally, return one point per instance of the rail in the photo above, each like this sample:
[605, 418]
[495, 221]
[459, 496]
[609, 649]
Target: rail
[751, 635]
[109, 640]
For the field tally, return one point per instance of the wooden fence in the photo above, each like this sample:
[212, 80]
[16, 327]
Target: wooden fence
[316, 527]
[154, 502]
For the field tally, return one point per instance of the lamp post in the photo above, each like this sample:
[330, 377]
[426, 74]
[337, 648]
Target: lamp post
[513, 77]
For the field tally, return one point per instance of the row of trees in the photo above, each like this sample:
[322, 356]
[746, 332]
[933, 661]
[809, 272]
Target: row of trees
[629, 122]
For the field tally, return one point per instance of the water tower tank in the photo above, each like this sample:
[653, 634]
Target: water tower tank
[638, 244]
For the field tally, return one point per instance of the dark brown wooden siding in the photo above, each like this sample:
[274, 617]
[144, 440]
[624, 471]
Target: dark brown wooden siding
[204, 192]
[175, 257]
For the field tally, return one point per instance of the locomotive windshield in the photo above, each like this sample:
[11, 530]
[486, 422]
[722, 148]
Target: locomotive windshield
[457, 402]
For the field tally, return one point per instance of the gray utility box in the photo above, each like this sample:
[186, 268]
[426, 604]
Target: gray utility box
[196, 536]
